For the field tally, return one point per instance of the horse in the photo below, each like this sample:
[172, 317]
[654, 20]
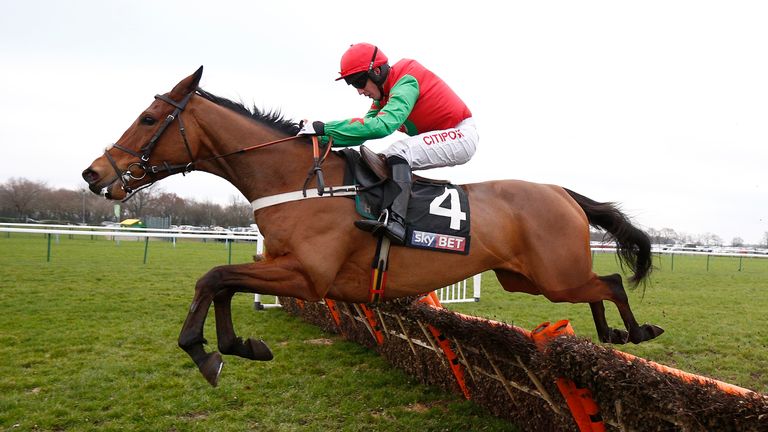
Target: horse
[535, 237]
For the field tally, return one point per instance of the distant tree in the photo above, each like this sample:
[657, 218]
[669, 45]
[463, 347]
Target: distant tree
[142, 202]
[205, 213]
[99, 209]
[172, 206]
[22, 195]
[238, 213]
[737, 241]
[765, 239]
[653, 234]
[660, 236]
[710, 239]
[685, 238]
[61, 205]
[668, 235]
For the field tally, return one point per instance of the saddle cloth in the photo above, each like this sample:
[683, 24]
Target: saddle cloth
[438, 212]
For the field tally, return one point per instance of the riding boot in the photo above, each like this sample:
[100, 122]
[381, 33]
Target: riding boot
[401, 174]
[395, 222]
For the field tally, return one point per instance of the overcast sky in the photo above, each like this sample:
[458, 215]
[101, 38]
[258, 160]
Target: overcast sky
[659, 105]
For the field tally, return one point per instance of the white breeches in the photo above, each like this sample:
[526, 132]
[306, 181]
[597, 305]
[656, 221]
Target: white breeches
[437, 149]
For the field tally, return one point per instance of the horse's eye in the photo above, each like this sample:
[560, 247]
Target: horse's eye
[147, 120]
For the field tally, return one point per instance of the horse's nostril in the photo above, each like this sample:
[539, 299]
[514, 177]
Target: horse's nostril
[90, 176]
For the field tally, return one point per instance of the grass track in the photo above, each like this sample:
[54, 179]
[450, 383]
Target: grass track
[88, 342]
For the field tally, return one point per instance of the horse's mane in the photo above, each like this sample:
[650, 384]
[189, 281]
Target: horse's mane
[272, 118]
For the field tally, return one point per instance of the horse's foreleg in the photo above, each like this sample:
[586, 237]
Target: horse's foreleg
[283, 276]
[191, 337]
[229, 342]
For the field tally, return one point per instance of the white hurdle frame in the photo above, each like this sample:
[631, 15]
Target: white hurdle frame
[457, 293]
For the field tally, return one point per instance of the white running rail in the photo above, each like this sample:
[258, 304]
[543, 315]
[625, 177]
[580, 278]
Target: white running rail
[455, 293]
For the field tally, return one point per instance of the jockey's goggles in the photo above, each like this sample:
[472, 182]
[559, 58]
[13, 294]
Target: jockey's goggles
[357, 80]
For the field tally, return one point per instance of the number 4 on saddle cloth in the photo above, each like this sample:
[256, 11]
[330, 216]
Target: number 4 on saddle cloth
[438, 212]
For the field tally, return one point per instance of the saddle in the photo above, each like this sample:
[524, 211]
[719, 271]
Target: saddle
[438, 211]
[377, 163]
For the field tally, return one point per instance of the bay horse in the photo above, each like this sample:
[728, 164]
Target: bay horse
[535, 237]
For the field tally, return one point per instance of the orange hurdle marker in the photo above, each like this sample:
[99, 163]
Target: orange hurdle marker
[585, 411]
[375, 327]
[453, 360]
[334, 311]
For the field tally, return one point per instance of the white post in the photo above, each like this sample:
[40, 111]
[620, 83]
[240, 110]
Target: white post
[257, 297]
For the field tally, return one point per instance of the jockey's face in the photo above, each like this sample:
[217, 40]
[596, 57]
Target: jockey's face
[370, 90]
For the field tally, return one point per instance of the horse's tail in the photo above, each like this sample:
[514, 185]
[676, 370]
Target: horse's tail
[633, 245]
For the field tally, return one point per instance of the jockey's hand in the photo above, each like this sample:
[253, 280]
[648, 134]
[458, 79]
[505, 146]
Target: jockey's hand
[311, 128]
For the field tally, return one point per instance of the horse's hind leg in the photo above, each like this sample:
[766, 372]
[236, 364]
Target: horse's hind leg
[604, 332]
[229, 342]
[635, 333]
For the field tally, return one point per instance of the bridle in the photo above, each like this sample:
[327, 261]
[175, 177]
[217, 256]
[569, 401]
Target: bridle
[144, 168]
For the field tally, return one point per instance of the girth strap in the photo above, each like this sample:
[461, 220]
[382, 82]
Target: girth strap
[328, 192]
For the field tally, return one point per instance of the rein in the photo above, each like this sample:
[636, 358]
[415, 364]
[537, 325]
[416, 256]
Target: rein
[143, 168]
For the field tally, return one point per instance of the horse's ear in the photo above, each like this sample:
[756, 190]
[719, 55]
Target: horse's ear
[196, 78]
[188, 84]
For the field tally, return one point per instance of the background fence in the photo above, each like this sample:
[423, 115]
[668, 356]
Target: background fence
[53, 232]
[464, 291]
[669, 254]
[458, 292]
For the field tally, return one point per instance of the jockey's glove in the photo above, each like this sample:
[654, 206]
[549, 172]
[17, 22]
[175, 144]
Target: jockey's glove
[311, 128]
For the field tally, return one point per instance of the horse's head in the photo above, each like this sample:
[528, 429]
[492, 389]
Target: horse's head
[152, 148]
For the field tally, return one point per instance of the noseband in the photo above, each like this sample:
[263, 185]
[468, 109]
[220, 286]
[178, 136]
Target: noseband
[145, 152]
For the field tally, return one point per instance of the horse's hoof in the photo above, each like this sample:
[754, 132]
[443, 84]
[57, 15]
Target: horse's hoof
[211, 368]
[652, 331]
[618, 336]
[259, 350]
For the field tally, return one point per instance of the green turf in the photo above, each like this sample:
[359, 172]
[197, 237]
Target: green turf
[88, 342]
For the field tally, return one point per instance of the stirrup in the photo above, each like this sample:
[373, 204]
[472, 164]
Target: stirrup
[372, 226]
[384, 217]
[388, 224]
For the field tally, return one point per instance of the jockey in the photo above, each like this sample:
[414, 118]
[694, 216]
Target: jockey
[409, 98]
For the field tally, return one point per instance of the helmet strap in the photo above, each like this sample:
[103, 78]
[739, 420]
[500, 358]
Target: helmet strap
[377, 78]
[373, 59]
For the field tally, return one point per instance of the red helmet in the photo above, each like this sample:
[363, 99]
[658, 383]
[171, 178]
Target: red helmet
[361, 57]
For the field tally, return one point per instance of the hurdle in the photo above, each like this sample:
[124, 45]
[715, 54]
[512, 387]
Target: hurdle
[545, 379]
